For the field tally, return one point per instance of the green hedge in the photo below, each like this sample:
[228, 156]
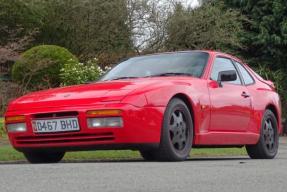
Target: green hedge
[39, 67]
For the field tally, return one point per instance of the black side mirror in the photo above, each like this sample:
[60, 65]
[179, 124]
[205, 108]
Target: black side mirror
[225, 76]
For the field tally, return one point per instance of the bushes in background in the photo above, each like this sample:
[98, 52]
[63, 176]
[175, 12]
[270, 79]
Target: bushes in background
[2, 131]
[77, 73]
[278, 78]
[39, 67]
[49, 66]
[8, 92]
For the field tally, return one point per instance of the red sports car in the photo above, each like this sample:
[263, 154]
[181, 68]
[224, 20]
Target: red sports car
[162, 105]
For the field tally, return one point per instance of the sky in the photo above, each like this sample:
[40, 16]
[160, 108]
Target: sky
[191, 3]
[186, 3]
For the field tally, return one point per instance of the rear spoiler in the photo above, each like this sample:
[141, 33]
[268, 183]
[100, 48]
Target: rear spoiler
[269, 83]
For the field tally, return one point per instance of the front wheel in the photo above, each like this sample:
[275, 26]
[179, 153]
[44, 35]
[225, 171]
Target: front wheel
[267, 146]
[177, 132]
[44, 157]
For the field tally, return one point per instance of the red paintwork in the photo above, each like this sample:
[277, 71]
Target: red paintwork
[221, 115]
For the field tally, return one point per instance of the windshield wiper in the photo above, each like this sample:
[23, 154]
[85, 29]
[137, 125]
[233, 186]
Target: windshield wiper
[118, 78]
[170, 74]
[155, 75]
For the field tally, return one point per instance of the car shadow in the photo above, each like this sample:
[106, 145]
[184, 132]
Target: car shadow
[139, 160]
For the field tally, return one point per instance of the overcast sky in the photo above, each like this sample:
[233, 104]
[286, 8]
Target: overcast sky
[191, 3]
[187, 3]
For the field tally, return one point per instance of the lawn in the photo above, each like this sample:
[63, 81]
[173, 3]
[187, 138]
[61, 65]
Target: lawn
[1, 126]
[7, 153]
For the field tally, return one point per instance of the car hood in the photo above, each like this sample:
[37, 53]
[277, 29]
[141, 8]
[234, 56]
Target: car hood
[80, 95]
[94, 93]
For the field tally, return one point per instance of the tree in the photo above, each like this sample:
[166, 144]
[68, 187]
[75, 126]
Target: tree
[18, 18]
[148, 23]
[265, 36]
[207, 27]
[88, 27]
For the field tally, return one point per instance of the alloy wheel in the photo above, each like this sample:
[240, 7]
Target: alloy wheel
[178, 130]
[269, 135]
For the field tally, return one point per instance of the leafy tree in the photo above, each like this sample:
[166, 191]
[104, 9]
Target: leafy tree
[88, 27]
[207, 27]
[18, 18]
[265, 36]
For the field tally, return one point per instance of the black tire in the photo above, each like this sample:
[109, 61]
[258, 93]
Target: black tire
[148, 155]
[267, 146]
[176, 133]
[44, 157]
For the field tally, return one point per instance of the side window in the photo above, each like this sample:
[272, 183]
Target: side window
[223, 64]
[245, 74]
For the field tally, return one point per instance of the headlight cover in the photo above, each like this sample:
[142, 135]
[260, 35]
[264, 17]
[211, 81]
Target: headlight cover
[16, 127]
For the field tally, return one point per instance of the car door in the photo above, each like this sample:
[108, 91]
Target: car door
[230, 102]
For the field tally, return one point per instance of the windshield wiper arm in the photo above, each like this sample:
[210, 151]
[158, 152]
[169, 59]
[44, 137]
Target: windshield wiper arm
[155, 75]
[170, 74]
[118, 78]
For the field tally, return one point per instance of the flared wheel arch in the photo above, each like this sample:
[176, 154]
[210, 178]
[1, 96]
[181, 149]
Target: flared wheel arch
[190, 106]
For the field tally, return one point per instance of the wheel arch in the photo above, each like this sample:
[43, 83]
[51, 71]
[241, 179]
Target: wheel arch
[272, 108]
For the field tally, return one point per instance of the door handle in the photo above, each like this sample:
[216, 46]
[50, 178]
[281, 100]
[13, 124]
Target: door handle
[244, 94]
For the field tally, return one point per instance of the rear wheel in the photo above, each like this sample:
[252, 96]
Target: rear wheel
[176, 134]
[44, 157]
[267, 146]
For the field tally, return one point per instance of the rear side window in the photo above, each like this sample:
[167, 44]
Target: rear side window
[248, 80]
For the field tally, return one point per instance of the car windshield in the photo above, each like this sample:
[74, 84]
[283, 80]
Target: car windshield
[171, 64]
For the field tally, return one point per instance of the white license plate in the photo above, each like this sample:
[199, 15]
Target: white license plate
[55, 125]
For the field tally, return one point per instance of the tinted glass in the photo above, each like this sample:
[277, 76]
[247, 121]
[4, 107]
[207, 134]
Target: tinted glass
[223, 64]
[245, 74]
[191, 63]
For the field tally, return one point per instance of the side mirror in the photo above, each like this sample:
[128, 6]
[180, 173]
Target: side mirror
[225, 76]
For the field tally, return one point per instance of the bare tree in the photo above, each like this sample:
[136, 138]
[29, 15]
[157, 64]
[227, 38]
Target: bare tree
[148, 20]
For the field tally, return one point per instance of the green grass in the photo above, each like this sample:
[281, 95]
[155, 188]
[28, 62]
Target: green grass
[7, 153]
[1, 127]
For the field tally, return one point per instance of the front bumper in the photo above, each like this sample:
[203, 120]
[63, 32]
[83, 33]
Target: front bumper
[142, 126]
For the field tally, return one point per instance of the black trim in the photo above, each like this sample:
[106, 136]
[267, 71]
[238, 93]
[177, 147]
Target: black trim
[218, 146]
[247, 72]
[135, 146]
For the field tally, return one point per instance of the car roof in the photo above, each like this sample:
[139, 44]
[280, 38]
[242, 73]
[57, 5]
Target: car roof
[212, 52]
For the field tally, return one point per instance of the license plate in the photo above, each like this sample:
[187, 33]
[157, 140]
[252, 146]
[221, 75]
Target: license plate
[55, 125]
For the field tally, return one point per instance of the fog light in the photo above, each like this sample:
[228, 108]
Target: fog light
[16, 127]
[105, 122]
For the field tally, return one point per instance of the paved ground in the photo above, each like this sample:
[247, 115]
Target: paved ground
[195, 175]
